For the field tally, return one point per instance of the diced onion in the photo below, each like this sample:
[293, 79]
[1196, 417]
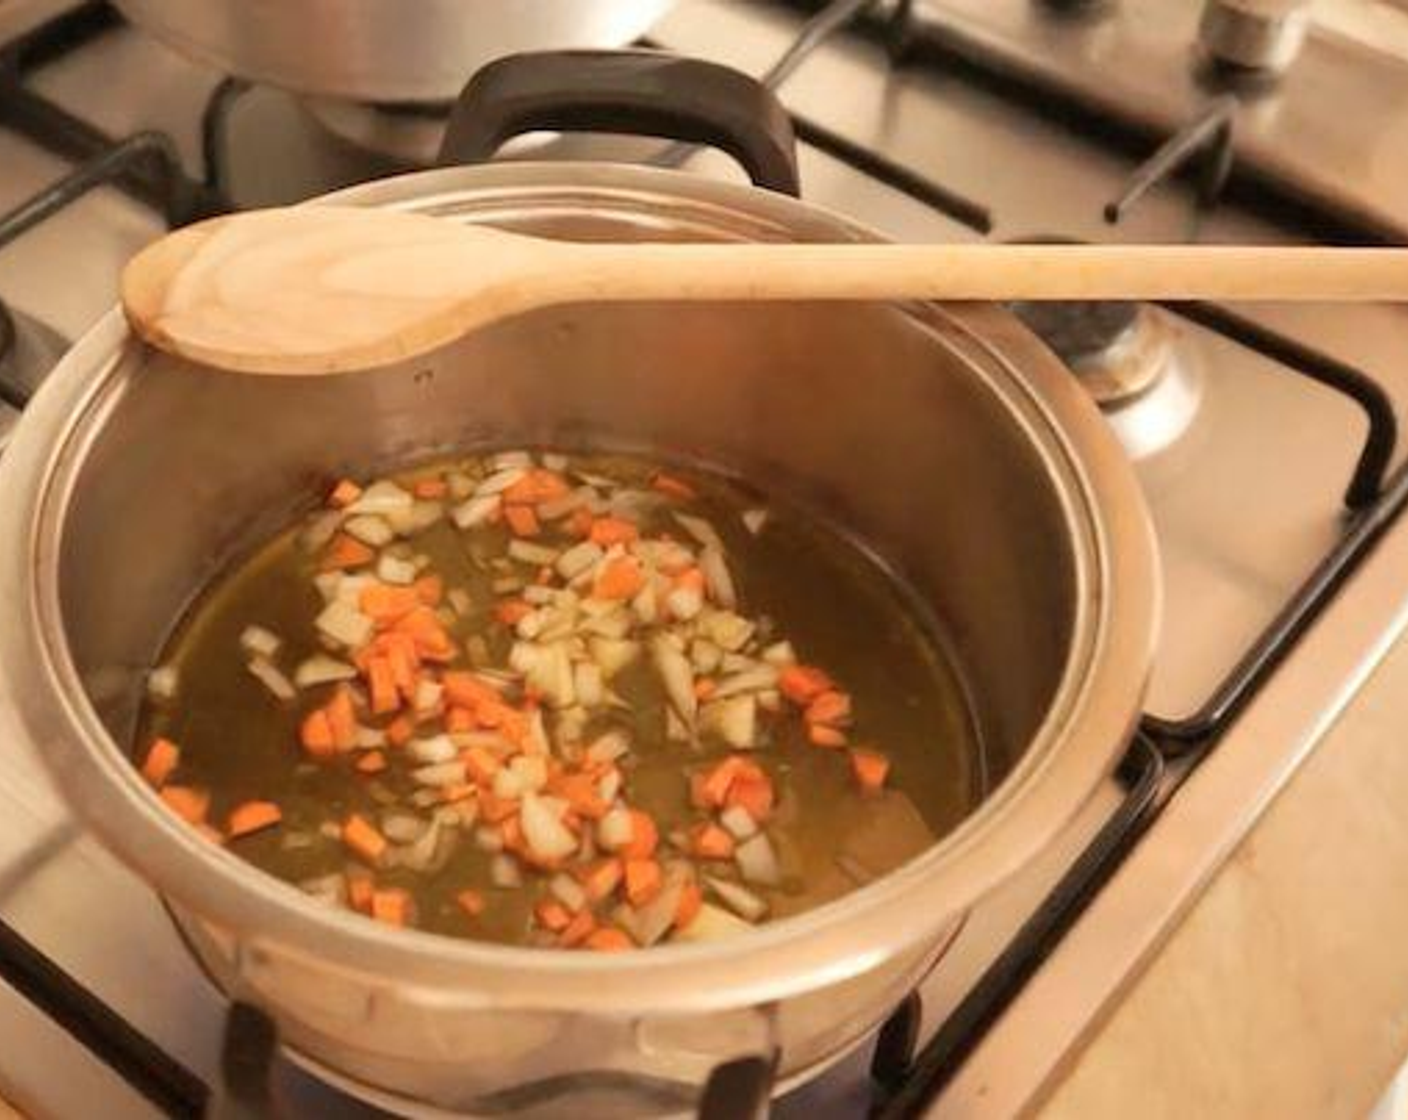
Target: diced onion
[544, 833]
[489, 838]
[320, 530]
[476, 511]
[780, 654]
[416, 518]
[271, 678]
[734, 720]
[370, 530]
[440, 774]
[677, 676]
[403, 828]
[614, 830]
[393, 569]
[739, 822]
[532, 771]
[569, 892]
[459, 599]
[506, 459]
[163, 682]
[587, 681]
[526, 552]
[505, 872]
[757, 679]
[712, 923]
[757, 861]
[609, 746]
[555, 461]
[578, 559]
[259, 642]
[701, 531]
[684, 602]
[369, 738]
[438, 748]
[754, 520]
[717, 578]
[737, 898]
[345, 624]
[428, 694]
[321, 669]
[382, 497]
[498, 482]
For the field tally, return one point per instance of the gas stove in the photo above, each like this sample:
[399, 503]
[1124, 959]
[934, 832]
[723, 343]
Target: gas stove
[1264, 437]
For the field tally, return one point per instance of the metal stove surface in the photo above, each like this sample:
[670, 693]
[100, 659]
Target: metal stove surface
[1244, 504]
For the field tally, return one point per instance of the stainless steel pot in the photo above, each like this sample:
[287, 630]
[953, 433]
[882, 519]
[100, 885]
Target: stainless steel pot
[946, 436]
[381, 50]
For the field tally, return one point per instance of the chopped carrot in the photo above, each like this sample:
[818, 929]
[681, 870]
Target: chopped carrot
[803, 683]
[465, 690]
[459, 720]
[432, 641]
[752, 794]
[522, 521]
[384, 603]
[870, 769]
[459, 791]
[471, 902]
[609, 939]
[399, 731]
[544, 577]
[643, 880]
[601, 878]
[392, 906]
[552, 915]
[163, 756]
[253, 816]
[579, 791]
[704, 687]
[385, 698]
[481, 765]
[315, 733]
[581, 522]
[346, 552]
[364, 839]
[496, 809]
[672, 486]
[511, 611]
[606, 531]
[373, 762]
[344, 494]
[691, 901]
[712, 842]
[691, 579]
[831, 708]
[429, 488]
[620, 578]
[359, 891]
[430, 590]
[537, 485]
[342, 719]
[582, 926]
[644, 836]
[401, 660]
[188, 803]
[819, 735]
[511, 827]
[713, 790]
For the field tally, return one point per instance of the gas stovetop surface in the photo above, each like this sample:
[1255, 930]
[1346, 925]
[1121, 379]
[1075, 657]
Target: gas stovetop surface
[1247, 429]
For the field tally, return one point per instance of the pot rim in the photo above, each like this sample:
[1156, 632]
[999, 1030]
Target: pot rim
[1081, 737]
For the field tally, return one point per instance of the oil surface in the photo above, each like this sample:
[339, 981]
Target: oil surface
[834, 603]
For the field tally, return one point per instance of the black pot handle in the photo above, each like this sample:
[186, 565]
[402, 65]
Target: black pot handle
[644, 93]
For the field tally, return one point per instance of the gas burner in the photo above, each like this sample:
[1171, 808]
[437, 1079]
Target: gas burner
[1132, 360]
[28, 351]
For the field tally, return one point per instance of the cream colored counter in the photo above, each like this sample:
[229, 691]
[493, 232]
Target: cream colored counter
[1284, 992]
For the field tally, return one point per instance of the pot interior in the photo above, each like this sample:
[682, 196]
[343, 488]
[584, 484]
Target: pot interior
[900, 424]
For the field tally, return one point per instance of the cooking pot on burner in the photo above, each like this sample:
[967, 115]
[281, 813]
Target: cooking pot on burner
[947, 437]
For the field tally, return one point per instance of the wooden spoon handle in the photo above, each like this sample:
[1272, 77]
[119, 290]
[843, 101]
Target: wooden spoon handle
[988, 272]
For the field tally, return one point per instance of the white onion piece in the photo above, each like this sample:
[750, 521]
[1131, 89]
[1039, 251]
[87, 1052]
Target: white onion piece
[321, 669]
[537, 740]
[757, 679]
[739, 822]
[737, 898]
[757, 861]
[489, 838]
[609, 746]
[780, 654]
[331, 890]
[645, 606]
[508, 785]
[770, 701]
[506, 459]
[684, 602]
[370, 530]
[587, 681]
[614, 830]
[555, 461]
[498, 482]
[526, 552]
[438, 748]
[712, 923]
[418, 516]
[726, 629]
[163, 682]
[532, 771]
[327, 584]
[568, 891]
[271, 678]
[259, 642]
[459, 484]
[616, 624]
[717, 578]
[428, 694]
[381, 498]
[440, 774]
[608, 786]
[459, 600]
[754, 520]
[505, 872]
[612, 654]
[701, 531]
[403, 828]
[677, 676]
[345, 624]
[368, 738]
[555, 509]
[675, 730]
[578, 559]
[392, 569]
[734, 720]
[476, 511]
[506, 585]
[543, 831]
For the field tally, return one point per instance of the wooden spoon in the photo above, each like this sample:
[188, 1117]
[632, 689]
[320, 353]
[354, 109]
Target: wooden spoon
[325, 289]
